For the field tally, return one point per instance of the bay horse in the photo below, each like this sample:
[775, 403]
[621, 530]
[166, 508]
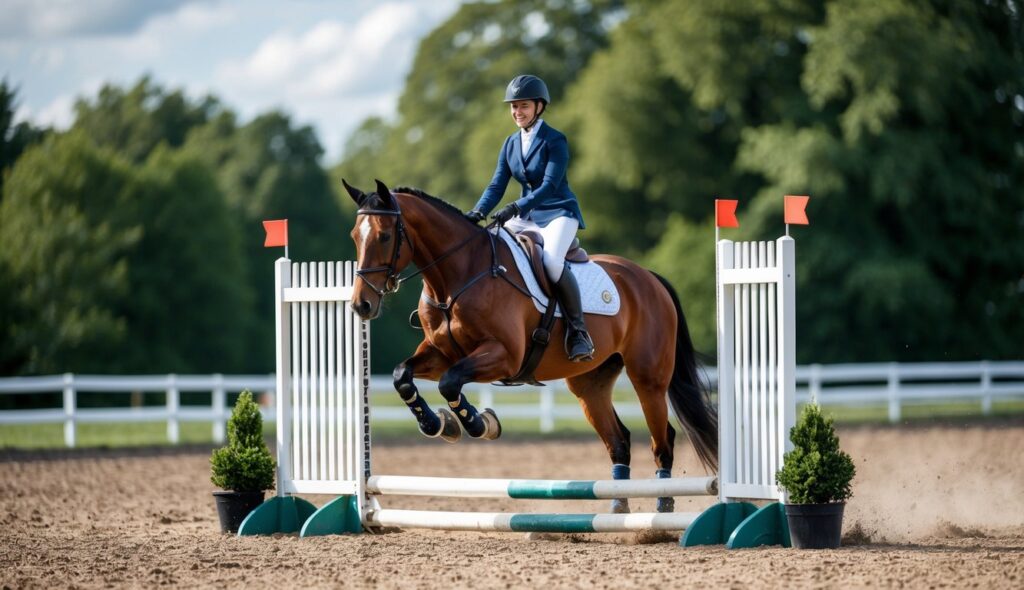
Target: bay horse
[477, 323]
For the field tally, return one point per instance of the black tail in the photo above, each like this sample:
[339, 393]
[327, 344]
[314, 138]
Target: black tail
[689, 395]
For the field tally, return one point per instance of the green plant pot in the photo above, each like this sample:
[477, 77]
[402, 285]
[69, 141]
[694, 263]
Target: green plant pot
[233, 507]
[815, 526]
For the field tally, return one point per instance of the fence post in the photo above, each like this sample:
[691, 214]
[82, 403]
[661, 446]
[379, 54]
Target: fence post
[986, 388]
[69, 410]
[487, 397]
[547, 409]
[172, 408]
[219, 401]
[894, 390]
[815, 384]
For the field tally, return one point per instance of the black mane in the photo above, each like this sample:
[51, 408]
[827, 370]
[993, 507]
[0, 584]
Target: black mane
[440, 204]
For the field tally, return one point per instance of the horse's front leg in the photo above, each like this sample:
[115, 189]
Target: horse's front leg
[487, 362]
[428, 362]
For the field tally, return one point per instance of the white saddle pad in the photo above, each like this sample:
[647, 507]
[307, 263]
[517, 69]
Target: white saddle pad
[597, 290]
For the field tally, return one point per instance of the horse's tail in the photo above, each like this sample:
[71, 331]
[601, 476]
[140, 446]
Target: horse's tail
[688, 394]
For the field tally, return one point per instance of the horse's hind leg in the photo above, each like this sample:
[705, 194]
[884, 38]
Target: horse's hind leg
[651, 384]
[427, 362]
[594, 391]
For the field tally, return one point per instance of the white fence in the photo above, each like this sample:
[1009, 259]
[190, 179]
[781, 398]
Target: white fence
[893, 385]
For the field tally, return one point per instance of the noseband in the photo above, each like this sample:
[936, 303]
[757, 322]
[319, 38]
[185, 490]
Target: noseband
[392, 280]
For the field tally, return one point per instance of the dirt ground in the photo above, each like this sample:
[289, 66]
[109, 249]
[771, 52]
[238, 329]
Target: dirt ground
[937, 506]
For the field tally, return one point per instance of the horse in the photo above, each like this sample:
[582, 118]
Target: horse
[477, 324]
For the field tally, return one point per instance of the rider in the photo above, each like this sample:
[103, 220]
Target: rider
[537, 156]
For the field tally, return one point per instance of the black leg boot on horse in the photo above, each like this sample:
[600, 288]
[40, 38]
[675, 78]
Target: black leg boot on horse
[578, 344]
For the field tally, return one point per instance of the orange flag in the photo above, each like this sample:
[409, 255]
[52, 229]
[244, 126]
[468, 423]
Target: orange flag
[725, 213]
[796, 213]
[277, 233]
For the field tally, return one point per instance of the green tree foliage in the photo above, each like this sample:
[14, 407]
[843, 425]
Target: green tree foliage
[902, 119]
[188, 289]
[135, 121]
[245, 464]
[14, 137]
[816, 471]
[65, 257]
[912, 145]
[116, 268]
[270, 168]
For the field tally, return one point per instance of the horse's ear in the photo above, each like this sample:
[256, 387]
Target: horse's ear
[385, 195]
[357, 195]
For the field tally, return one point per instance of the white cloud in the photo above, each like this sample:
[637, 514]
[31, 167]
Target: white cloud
[48, 58]
[328, 64]
[55, 18]
[332, 60]
[59, 113]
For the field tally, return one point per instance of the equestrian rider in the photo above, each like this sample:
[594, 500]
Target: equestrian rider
[537, 156]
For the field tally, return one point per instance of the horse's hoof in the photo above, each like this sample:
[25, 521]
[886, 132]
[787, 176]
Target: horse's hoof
[492, 427]
[620, 506]
[450, 431]
[666, 505]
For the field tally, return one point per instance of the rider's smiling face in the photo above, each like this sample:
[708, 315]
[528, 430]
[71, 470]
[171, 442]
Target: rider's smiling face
[523, 111]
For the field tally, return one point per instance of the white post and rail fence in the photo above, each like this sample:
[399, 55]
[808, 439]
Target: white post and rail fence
[893, 386]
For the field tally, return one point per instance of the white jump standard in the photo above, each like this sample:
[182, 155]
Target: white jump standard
[323, 434]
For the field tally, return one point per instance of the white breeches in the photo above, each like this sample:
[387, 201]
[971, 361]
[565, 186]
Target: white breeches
[558, 236]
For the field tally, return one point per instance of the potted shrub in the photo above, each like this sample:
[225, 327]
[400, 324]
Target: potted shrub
[244, 468]
[817, 475]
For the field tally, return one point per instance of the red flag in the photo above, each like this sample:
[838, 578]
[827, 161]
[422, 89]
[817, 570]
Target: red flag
[796, 213]
[725, 213]
[277, 233]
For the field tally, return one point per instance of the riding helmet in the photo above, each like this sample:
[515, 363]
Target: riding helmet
[527, 87]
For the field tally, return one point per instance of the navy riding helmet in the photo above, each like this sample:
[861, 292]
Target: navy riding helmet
[527, 87]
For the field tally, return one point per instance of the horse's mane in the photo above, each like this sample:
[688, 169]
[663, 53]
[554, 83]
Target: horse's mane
[437, 203]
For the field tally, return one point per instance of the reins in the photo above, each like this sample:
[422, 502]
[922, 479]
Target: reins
[394, 280]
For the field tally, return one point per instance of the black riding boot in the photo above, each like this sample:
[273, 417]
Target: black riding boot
[578, 344]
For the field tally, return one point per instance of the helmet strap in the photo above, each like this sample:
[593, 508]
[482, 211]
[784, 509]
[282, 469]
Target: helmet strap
[540, 111]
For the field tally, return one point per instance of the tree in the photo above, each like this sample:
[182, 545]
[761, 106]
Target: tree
[64, 259]
[134, 122]
[14, 137]
[270, 169]
[902, 119]
[189, 299]
[116, 268]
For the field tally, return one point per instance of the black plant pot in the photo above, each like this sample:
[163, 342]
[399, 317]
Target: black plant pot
[815, 526]
[233, 507]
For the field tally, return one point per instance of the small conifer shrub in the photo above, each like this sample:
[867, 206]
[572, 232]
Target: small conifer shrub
[816, 471]
[245, 464]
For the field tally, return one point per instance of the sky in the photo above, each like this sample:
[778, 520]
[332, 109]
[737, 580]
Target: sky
[329, 64]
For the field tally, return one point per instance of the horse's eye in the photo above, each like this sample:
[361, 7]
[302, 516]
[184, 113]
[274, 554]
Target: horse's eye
[385, 237]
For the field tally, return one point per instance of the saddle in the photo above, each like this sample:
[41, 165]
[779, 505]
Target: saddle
[533, 243]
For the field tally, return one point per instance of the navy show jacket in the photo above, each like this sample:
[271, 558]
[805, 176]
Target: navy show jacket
[545, 193]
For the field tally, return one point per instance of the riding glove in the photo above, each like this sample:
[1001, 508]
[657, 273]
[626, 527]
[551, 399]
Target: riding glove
[476, 216]
[505, 213]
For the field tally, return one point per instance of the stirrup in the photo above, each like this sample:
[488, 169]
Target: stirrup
[580, 357]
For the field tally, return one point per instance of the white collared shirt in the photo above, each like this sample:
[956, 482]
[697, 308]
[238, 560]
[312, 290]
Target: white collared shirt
[526, 137]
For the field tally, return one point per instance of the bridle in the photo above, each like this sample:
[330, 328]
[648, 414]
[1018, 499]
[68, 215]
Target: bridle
[393, 280]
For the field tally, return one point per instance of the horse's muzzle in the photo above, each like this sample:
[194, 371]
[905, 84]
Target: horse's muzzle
[363, 309]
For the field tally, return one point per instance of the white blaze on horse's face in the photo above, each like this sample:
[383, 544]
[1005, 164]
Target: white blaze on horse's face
[364, 232]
